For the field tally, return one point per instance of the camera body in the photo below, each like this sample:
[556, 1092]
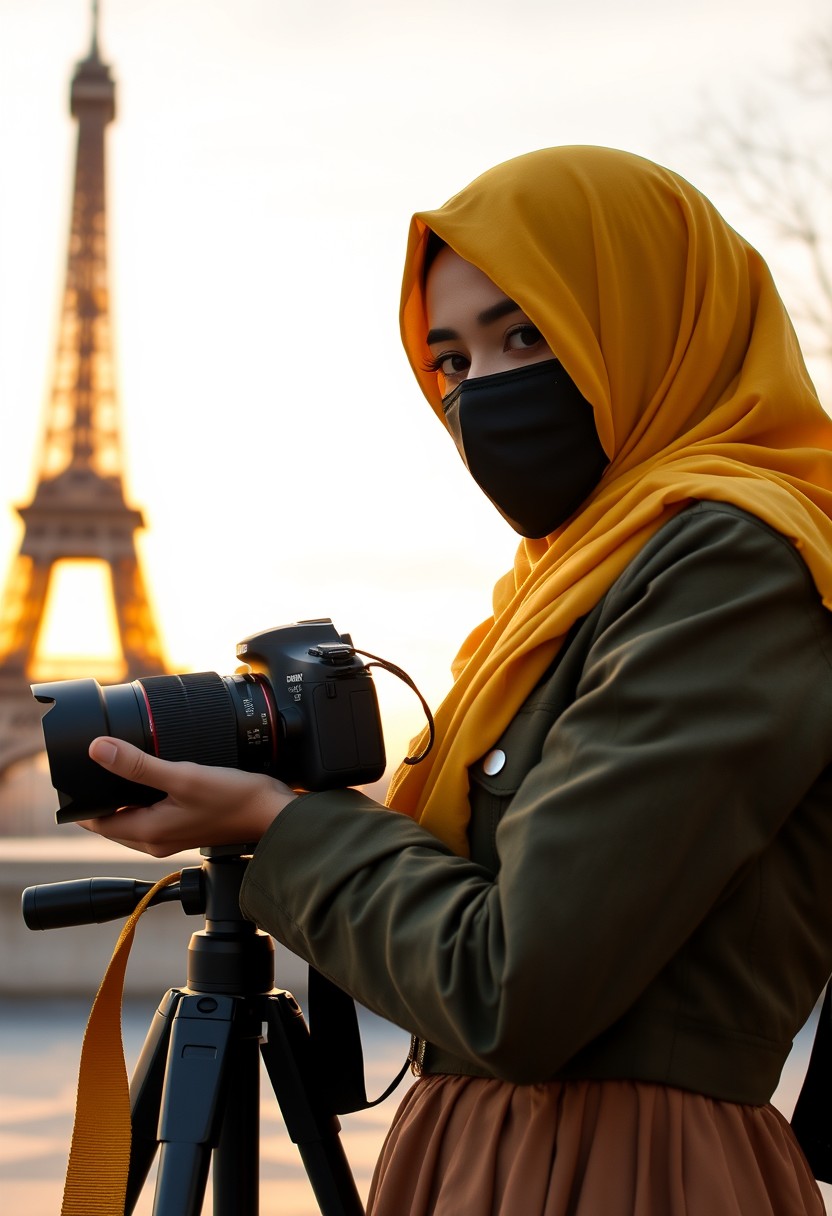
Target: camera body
[303, 709]
[329, 729]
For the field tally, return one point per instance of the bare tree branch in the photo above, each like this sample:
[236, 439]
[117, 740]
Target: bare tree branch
[774, 155]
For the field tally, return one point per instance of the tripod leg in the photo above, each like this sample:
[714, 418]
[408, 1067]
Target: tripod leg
[192, 1101]
[145, 1097]
[236, 1161]
[288, 1060]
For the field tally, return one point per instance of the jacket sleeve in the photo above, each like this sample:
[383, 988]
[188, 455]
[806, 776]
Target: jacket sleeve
[693, 735]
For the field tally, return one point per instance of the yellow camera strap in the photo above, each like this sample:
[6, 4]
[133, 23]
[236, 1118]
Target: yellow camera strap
[99, 1155]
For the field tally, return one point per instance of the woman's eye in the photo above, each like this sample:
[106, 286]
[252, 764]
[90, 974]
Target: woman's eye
[451, 365]
[524, 337]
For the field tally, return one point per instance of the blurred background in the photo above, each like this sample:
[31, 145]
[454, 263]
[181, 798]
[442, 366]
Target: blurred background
[261, 172]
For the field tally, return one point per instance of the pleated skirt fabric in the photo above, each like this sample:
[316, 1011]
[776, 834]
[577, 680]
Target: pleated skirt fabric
[468, 1146]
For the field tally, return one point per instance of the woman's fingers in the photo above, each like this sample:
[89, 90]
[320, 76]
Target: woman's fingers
[204, 805]
[130, 762]
[122, 828]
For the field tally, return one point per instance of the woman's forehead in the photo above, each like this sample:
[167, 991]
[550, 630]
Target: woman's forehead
[456, 287]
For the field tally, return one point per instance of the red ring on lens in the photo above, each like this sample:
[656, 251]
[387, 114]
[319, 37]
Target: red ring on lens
[150, 721]
[267, 697]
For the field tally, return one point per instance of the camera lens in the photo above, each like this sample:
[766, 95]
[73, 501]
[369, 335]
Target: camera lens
[204, 717]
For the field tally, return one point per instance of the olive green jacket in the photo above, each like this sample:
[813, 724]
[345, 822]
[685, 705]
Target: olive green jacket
[647, 895]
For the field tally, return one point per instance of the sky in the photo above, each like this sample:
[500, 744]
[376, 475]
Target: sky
[262, 171]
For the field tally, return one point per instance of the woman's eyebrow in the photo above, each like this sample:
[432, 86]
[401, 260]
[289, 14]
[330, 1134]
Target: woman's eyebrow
[493, 313]
[441, 335]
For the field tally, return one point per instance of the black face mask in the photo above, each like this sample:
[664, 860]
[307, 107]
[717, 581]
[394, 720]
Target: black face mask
[528, 439]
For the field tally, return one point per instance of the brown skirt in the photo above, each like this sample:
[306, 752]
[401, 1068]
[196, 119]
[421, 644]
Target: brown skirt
[466, 1146]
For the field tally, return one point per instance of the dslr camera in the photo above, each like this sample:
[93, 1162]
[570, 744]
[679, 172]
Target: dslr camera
[303, 708]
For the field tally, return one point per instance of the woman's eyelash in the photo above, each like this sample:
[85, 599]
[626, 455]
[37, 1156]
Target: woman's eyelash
[525, 328]
[438, 364]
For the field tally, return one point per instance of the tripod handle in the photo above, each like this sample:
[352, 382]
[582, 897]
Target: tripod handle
[87, 901]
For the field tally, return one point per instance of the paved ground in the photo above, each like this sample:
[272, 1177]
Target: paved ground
[39, 1050]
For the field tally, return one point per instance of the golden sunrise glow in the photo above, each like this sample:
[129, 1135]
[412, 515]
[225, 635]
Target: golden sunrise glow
[79, 635]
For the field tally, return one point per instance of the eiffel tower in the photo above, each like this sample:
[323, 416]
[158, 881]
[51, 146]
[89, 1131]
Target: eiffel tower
[79, 509]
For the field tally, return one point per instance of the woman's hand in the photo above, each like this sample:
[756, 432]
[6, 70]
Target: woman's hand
[204, 805]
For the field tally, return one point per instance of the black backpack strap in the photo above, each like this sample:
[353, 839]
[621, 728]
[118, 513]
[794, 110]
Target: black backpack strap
[336, 1047]
[812, 1118]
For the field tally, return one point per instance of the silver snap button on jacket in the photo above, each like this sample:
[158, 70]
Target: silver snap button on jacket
[494, 762]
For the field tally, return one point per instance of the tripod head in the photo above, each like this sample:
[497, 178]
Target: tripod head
[229, 955]
[91, 901]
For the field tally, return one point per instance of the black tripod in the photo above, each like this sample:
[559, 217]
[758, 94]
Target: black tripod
[195, 1088]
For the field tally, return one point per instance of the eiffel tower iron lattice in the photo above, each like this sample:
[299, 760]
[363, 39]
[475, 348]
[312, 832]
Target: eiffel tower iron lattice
[79, 509]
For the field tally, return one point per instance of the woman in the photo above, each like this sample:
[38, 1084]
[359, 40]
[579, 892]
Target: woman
[600, 914]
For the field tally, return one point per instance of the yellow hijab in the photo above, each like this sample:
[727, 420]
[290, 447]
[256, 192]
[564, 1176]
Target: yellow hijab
[671, 327]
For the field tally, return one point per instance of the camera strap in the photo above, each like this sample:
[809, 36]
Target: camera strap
[336, 1048]
[99, 1154]
[401, 674]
